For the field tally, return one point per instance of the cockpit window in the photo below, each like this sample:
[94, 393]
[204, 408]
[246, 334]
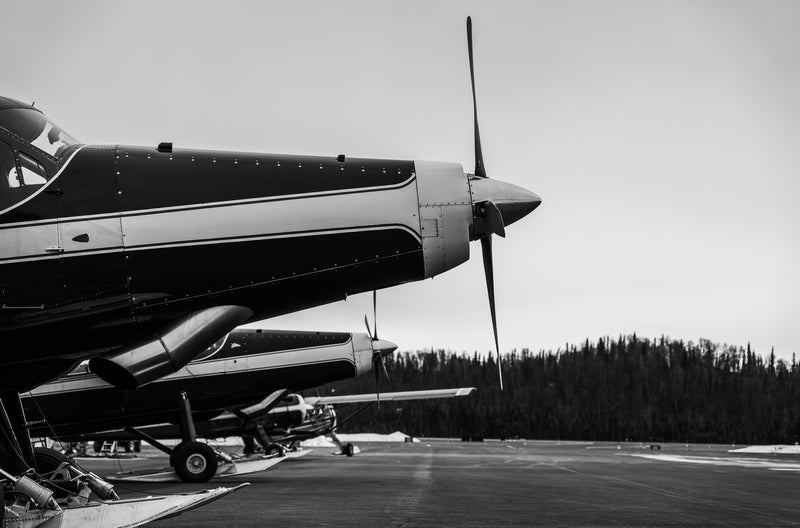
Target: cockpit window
[33, 127]
[32, 172]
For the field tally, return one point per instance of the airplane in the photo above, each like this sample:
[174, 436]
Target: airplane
[247, 369]
[317, 416]
[138, 258]
[277, 425]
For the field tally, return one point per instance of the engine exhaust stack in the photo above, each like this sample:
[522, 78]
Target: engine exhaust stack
[168, 351]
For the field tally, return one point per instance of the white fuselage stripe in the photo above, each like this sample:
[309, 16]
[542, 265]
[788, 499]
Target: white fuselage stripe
[299, 216]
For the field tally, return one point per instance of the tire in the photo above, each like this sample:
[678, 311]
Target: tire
[175, 449]
[276, 450]
[349, 449]
[195, 462]
[97, 445]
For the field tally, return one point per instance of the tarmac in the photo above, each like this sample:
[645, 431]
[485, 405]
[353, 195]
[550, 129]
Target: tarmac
[518, 483]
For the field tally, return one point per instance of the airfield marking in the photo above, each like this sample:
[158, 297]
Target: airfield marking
[724, 461]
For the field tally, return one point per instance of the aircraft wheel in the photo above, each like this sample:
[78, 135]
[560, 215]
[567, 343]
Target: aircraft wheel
[276, 450]
[47, 460]
[97, 445]
[349, 449]
[195, 462]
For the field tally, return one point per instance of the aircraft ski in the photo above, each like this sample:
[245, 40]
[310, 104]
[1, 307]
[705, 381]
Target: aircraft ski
[122, 513]
[241, 467]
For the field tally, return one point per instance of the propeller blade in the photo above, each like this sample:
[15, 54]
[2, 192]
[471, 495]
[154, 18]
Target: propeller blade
[385, 372]
[488, 268]
[366, 323]
[376, 358]
[479, 168]
[375, 312]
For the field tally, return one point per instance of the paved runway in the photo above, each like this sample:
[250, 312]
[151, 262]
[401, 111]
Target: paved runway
[457, 484]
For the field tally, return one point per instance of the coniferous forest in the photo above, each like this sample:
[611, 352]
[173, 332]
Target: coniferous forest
[616, 390]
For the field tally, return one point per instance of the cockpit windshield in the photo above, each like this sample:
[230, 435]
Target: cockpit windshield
[34, 127]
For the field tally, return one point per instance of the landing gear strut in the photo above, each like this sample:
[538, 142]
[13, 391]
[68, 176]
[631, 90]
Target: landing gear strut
[347, 449]
[192, 461]
[270, 447]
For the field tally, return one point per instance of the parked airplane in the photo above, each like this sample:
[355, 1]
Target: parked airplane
[317, 416]
[247, 367]
[140, 258]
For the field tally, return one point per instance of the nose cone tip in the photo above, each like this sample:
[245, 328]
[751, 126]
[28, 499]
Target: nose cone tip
[383, 347]
[518, 206]
[513, 201]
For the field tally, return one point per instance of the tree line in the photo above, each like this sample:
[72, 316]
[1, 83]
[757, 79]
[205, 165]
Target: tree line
[623, 389]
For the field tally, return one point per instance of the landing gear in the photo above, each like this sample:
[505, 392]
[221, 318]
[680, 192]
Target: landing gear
[347, 449]
[249, 445]
[275, 450]
[192, 461]
[195, 462]
[270, 448]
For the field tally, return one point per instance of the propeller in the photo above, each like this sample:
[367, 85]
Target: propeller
[379, 348]
[491, 214]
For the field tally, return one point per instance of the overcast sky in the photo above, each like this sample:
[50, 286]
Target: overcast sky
[663, 137]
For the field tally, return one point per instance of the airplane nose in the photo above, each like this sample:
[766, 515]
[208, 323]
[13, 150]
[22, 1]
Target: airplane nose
[498, 204]
[383, 347]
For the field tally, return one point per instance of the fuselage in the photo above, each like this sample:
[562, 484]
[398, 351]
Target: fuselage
[247, 367]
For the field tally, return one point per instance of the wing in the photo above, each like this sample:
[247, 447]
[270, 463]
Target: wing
[393, 396]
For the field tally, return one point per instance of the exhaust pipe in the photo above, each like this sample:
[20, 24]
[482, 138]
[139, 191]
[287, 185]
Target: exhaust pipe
[168, 351]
